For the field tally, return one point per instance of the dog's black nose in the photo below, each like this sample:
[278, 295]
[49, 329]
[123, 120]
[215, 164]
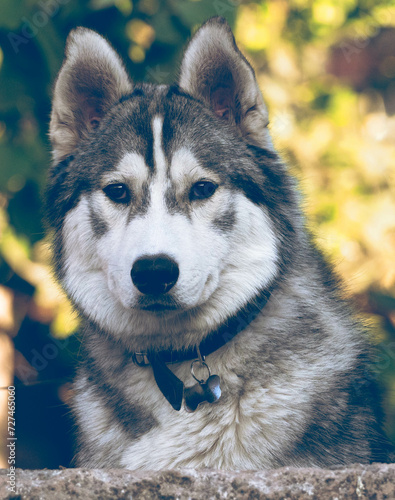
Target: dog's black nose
[155, 274]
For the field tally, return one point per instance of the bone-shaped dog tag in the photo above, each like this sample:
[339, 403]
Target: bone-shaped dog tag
[202, 392]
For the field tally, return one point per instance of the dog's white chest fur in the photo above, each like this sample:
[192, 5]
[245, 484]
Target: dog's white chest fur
[237, 432]
[250, 427]
[246, 429]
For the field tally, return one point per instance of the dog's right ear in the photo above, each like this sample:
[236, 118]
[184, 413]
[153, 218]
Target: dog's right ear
[91, 79]
[215, 71]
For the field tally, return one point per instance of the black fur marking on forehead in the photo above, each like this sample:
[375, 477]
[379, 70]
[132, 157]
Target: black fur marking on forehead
[145, 199]
[140, 123]
[171, 201]
[140, 202]
[137, 92]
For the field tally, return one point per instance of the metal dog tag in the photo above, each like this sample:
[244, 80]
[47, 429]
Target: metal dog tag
[208, 391]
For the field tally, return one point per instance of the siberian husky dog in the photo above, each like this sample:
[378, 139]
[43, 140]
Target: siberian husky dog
[214, 334]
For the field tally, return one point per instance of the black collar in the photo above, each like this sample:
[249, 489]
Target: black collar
[170, 385]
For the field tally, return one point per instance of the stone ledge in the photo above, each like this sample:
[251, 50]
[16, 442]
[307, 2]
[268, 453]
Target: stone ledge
[357, 482]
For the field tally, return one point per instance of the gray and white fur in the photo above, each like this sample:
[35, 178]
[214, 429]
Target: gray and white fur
[130, 163]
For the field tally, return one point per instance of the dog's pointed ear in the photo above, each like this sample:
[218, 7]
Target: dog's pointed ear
[91, 79]
[215, 71]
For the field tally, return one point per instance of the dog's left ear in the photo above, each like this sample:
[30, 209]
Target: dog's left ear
[91, 79]
[215, 71]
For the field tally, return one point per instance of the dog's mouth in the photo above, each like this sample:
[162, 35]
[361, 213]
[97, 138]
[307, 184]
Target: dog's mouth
[158, 308]
[158, 303]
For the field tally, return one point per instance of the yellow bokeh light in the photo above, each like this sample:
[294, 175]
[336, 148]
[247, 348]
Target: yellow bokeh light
[328, 13]
[66, 322]
[252, 28]
[141, 33]
[125, 6]
[136, 53]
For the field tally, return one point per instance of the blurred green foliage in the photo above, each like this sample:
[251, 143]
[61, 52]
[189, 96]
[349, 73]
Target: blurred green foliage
[327, 71]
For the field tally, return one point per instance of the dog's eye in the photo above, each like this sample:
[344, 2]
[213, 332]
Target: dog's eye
[202, 190]
[117, 192]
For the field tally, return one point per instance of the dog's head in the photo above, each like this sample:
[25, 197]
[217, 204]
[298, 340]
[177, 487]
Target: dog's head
[168, 203]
